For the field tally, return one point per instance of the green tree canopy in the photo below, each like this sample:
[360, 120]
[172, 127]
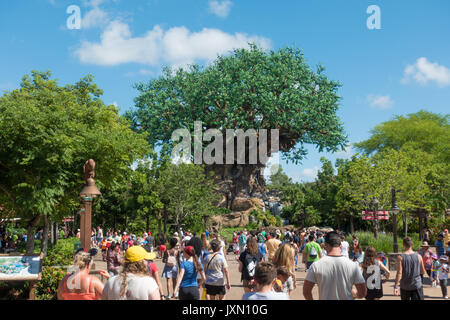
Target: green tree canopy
[48, 132]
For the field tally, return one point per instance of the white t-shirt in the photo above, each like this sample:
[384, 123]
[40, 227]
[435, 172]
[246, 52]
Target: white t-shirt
[442, 273]
[272, 295]
[335, 277]
[344, 249]
[138, 288]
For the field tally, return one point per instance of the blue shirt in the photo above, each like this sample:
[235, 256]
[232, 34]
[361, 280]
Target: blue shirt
[439, 247]
[190, 275]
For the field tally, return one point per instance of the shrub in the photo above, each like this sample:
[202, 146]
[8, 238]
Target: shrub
[61, 254]
[384, 243]
[47, 287]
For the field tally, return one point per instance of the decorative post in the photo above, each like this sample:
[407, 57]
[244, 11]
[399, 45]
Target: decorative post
[88, 194]
[395, 210]
[375, 216]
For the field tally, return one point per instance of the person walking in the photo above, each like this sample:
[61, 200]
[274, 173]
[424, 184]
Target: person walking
[113, 261]
[272, 246]
[248, 260]
[372, 268]
[242, 241]
[443, 275]
[344, 246]
[79, 285]
[440, 245]
[409, 270]
[426, 254]
[135, 281]
[187, 285]
[284, 257]
[334, 274]
[171, 259]
[312, 252]
[216, 271]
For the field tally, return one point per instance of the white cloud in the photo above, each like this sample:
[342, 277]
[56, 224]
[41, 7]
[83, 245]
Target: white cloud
[95, 17]
[310, 173]
[177, 46]
[424, 71]
[346, 153]
[220, 8]
[378, 101]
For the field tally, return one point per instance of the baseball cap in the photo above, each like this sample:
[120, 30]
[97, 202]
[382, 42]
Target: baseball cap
[434, 256]
[137, 253]
[443, 258]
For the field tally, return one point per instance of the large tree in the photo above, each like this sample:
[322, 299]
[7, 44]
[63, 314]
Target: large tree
[47, 132]
[247, 89]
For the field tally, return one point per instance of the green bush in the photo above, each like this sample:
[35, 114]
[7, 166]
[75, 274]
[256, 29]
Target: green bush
[14, 290]
[61, 254]
[47, 287]
[384, 243]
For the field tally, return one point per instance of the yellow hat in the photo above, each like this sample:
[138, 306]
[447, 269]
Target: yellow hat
[137, 253]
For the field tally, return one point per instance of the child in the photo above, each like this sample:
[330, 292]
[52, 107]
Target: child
[443, 275]
[323, 251]
[265, 278]
[282, 277]
[382, 258]
[434, 270]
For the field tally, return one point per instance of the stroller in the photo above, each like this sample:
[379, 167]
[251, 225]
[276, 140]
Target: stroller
[230, 248]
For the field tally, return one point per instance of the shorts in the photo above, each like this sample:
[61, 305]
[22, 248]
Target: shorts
[189, 293]
[162, 248]
[170, 272]
[412, 294]
[215, 290]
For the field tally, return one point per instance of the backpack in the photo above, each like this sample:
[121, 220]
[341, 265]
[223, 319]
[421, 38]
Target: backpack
[251, 267]
[171, 261]
[313, 253]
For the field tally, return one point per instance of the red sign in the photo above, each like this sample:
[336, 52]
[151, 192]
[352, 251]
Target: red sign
[381, 215]
[69, 219]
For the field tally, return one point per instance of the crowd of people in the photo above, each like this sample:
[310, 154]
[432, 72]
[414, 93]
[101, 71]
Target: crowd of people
[196, 267]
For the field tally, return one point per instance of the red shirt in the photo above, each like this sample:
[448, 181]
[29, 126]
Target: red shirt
[153, 268]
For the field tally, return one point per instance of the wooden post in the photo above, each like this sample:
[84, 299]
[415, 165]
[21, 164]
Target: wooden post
[86, 225]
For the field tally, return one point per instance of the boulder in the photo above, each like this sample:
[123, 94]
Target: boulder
[235, 219]
[242, 204]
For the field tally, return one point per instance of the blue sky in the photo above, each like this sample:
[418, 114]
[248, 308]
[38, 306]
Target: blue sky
[398, 69]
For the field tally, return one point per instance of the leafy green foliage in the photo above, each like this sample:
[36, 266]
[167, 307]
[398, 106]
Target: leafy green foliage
[247, 89]
[47, 133]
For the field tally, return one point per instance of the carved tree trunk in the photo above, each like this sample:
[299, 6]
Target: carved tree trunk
[233, 181]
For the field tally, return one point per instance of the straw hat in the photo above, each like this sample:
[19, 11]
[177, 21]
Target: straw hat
[425, 244]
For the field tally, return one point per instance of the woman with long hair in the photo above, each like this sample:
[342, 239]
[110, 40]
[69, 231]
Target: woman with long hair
[371, 268]
[187, 285]
[113, 261]
[79, 285]
[248, 260]
[285, 257]
[171, 259]
[135, 281]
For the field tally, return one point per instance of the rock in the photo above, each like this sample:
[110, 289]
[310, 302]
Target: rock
[235, 219]
[242, 204]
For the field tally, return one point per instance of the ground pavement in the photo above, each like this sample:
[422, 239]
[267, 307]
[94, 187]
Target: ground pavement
[236, 291]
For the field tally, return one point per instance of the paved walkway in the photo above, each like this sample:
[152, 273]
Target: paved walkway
[237, 291]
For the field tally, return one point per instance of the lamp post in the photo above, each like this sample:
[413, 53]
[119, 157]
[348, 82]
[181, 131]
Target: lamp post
[87, 195]
[394, 210]
[375, 216]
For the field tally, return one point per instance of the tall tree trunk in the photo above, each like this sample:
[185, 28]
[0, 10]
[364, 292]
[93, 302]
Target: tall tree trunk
[420, 213]
[165, 220]
[159, 217]
[31, 231]
[352, 227]
[147, 226]
[45, 235]
[405, 226]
